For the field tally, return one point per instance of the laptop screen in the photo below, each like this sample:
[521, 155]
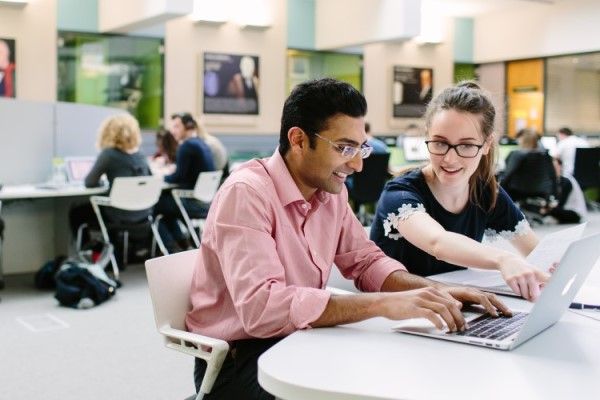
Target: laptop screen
[78, 167]
[415, 148]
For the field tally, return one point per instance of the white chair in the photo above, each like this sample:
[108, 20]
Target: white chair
[204, 191]
[130, 194]
[169, 281]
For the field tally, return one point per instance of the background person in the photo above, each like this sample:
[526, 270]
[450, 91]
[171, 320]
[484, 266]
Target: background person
[571, 207]
[525, 171]
[193, 157]
[566, 147]
[119, 140]
[162, 161]
[433, 218]
[275, 229]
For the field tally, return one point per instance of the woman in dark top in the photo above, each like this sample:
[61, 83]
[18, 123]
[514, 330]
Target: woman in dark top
[433, 219]
[193, 157]
[119, 141]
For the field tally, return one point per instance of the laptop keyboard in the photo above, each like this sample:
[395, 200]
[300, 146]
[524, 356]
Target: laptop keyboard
[498, 328]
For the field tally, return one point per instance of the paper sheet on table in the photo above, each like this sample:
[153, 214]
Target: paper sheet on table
[549, 250]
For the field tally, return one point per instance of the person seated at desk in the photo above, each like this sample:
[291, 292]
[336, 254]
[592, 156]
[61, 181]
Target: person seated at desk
[276, 227]
[217, 149]
[528, 169]
[571, 207]
[193, 157]
[162, 161]
[566, 147]
[433, 218]
[119, 140]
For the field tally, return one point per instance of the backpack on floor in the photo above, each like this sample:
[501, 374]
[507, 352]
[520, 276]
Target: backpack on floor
[81, 285]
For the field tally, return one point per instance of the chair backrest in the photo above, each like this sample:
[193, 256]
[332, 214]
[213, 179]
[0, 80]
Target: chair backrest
[169, 281]
[135, 192]
[207, 185]
[535, 175]
[367, 185]
[587, 167]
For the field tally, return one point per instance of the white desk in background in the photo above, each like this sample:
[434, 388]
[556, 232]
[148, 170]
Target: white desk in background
[24, 192]
[36, 233]
[368, 360]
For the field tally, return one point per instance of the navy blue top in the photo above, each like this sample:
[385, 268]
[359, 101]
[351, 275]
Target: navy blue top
[193, 157]
[407, 193]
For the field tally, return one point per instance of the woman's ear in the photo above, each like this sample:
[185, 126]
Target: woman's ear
[488, 143]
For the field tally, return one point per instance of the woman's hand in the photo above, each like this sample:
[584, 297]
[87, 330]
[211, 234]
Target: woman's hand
[524, 279]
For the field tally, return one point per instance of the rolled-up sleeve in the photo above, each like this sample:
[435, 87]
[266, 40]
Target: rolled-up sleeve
[360, 259]
[265, 303]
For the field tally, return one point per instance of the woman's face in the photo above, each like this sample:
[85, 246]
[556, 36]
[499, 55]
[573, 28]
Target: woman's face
[454, 127]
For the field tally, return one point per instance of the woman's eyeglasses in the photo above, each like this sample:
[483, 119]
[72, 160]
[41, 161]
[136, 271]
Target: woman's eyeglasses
[464, 150]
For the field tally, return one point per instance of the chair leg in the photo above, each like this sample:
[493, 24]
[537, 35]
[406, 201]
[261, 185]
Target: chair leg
[154, 227]
[79, 237]
[186, 218]
[125, 247]
[104, 231]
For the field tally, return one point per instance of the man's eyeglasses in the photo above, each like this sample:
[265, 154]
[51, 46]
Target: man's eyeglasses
[349, 151]
[464, 150]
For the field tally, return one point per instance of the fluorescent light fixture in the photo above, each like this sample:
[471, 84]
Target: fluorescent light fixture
[14, 3]
[253, 14]
[433, 24]
[213, 12]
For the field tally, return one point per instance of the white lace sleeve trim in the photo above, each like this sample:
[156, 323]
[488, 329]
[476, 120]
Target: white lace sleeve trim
[391, 222]
[520, 228]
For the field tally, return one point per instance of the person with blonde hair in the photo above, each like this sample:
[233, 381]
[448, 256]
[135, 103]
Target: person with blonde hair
[217, 149]
[433, 219]
[119, 140]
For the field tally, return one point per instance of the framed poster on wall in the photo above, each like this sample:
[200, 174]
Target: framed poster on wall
[7, 68]
[230, 84]
[412, 89]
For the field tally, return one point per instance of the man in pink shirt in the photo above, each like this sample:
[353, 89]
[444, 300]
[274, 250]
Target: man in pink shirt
[276, 227]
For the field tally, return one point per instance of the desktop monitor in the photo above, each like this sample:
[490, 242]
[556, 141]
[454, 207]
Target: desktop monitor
[77, 168]
[549, 143]
[415, 148]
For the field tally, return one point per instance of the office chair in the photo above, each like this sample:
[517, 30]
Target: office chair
[131, 194]
[367, 185]
[587, 170]
[169, 280]
[530, 180]
[204, 191]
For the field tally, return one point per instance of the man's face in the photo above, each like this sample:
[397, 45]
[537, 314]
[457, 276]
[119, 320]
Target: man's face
[177, 129]
[323, 167]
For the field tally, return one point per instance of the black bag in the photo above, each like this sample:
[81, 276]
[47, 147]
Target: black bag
[78, 287]
[44, 277]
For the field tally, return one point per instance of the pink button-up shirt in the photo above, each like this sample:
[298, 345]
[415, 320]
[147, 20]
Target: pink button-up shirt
[267, 253]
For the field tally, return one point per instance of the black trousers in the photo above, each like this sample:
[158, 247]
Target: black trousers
[238, 379]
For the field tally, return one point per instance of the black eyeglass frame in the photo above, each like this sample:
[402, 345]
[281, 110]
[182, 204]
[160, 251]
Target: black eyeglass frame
[453, 146]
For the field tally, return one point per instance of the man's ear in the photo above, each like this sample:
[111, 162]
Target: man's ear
[298, 140]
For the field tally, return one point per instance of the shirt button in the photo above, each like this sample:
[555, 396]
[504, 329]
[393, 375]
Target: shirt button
[304, 206]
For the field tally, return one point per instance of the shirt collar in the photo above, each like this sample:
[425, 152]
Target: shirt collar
[286, 188]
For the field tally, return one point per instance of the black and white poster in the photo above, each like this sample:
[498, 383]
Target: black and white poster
[412, 90]
[231, 84]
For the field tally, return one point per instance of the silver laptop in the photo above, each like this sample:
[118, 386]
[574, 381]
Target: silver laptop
[77, 168]
[507, 333]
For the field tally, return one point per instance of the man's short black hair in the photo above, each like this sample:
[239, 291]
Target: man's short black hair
[312, 103]
[565, 131]
[186, 119]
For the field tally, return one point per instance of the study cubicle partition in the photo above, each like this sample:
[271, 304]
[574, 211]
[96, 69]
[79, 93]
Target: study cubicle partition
[33, 133]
